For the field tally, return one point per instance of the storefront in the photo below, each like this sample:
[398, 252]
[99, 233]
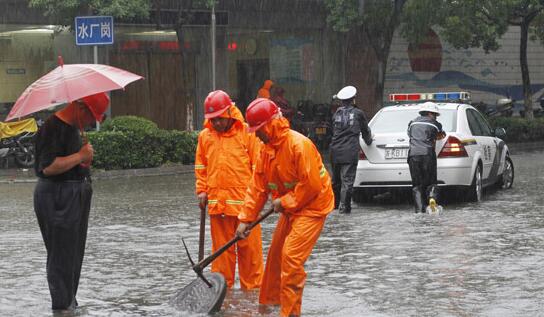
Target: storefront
[254, 42]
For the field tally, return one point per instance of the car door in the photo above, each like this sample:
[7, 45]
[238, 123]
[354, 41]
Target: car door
[484, 138]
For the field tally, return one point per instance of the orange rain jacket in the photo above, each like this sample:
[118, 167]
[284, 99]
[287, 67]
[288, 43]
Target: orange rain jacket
[224, 164]
[290, 168]
[264, 91]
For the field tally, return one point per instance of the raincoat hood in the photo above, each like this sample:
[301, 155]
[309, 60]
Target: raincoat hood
[277, 130]
[234, 113]
[267, 84]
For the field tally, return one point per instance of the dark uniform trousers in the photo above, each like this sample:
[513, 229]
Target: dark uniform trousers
[62, 209]
[424, 181]
[342, 185]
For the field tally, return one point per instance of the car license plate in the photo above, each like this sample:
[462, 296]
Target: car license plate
[320, 131]
[396, 153]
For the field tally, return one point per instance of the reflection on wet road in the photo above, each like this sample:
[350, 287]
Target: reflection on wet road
[472, 260]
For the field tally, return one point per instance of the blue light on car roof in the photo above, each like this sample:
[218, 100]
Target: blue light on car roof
[440, 96]
[454, 96]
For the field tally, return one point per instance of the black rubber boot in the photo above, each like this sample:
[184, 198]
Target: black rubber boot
[418, 200]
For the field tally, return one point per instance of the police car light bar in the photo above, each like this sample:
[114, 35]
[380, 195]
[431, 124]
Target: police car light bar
[437, 96]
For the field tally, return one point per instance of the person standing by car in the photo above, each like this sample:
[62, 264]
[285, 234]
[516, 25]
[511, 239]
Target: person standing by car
[348, 123]
[224, 162]
[423, 132]
[291, 170]
[62, 196]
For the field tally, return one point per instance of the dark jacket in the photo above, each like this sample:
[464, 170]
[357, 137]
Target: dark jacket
[423, 132]
[348, 122]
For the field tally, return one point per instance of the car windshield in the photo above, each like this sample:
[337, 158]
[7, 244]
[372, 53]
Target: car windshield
[397, 121]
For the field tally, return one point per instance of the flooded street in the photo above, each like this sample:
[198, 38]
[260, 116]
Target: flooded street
[382, 260]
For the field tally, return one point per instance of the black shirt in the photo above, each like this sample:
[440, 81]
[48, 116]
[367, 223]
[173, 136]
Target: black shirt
[55, 139]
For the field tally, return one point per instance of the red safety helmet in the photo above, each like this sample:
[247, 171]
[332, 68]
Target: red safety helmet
[97, 104]
[216, 103]
[259, 112]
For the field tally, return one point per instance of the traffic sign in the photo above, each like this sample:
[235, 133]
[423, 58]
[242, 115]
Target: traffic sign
[94, 30]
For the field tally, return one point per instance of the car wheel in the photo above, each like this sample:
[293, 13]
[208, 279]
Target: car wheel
[506, 180]
[475, 189]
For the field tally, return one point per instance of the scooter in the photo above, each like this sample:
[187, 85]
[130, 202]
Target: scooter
[16, 141]
[321, 130]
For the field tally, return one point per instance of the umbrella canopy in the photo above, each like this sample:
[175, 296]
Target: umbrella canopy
[68, 83]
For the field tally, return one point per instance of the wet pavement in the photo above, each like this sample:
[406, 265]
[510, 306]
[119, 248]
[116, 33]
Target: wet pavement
[382, 260]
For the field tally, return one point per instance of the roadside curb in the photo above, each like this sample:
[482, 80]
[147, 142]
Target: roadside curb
[516, 148]
[8, 176]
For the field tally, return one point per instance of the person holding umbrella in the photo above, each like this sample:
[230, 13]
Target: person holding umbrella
[224, 161]
[62, 196]
[289, 168]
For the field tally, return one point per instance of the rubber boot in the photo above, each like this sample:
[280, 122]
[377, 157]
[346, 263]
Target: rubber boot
[418, 200]
[432, 191]
[432, 198]
[345, 207]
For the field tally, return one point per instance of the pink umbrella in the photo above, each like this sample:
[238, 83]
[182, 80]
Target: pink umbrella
[67, 83]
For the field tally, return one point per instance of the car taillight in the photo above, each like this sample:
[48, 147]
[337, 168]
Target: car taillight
[453, 148]
[362, 155]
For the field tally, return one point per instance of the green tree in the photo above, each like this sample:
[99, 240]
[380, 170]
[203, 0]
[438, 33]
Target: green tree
[377, 21]
[64, 12]
[480, 23]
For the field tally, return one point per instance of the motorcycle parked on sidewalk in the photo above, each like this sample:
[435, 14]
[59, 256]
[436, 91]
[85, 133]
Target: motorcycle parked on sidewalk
[321, 130]
[16, 142]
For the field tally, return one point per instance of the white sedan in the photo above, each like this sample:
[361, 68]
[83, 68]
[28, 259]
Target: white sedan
[470, 157]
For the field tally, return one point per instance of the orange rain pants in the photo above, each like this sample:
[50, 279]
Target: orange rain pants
[248, 252]
[284, 276]
[290, 168]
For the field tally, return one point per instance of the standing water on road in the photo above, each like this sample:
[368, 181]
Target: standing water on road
[382, 260]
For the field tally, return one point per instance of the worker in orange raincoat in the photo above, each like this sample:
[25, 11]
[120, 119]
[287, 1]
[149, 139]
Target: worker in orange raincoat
[290, 168]
[224, 162]
[264, 91]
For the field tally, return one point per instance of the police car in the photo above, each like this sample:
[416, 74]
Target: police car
[471, 157]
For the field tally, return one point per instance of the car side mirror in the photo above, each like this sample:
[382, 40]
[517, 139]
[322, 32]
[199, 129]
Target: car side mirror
[500, 133]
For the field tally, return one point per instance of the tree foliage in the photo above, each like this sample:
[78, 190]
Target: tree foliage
[481, 23]
[63, 12]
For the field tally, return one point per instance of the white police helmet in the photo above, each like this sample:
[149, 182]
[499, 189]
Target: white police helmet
[429, 107]
[346, 93]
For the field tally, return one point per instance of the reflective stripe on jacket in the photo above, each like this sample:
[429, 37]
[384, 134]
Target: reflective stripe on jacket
[290, 168]
[224, 163]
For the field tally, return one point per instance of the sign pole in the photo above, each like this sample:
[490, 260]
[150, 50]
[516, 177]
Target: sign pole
[213, 46]
[95, 60]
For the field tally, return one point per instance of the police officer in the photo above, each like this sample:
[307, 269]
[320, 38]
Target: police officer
[348, 122]
[423, 132]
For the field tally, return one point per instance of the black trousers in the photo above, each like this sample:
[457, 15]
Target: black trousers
[62, 209]
[343, 176]
[423, 173]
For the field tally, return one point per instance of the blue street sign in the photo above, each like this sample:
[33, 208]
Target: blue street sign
[94, 30]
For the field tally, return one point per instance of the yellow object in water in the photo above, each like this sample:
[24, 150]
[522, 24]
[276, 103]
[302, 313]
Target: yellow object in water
[433, 207]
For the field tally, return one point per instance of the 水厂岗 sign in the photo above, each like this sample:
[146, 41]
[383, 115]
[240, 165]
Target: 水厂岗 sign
[94, 30]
